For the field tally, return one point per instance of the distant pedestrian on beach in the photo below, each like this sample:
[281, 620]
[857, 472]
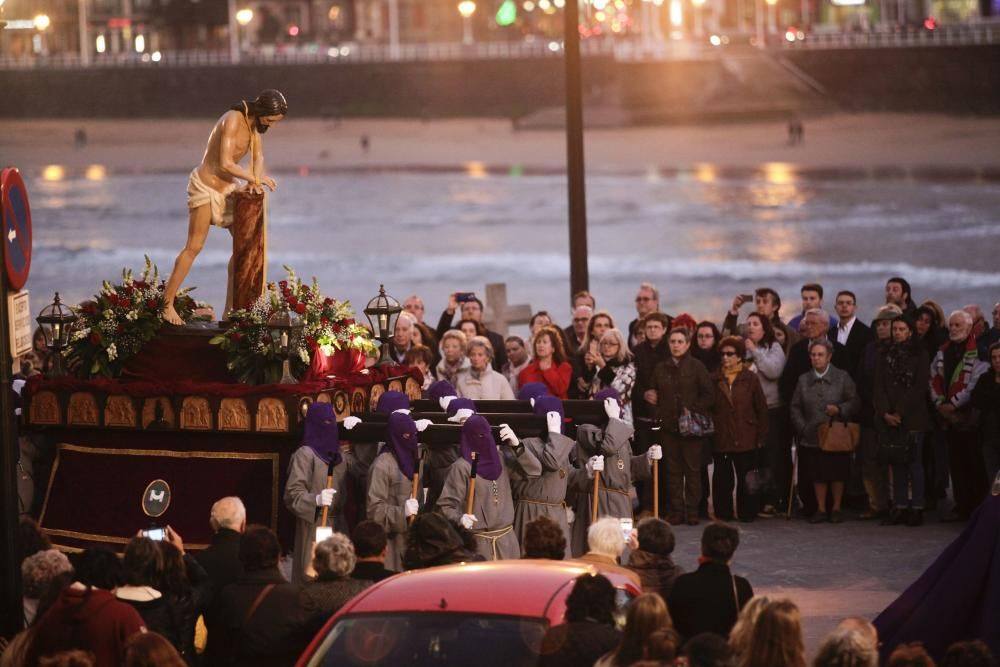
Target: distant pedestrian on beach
[80, 137]
[796, 132]
[211, 183]
[365, 143]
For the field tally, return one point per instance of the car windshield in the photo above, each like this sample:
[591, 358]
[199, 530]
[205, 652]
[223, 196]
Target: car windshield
[420, 638]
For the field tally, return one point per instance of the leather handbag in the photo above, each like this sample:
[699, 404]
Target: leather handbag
[694, 425]
[839, 435]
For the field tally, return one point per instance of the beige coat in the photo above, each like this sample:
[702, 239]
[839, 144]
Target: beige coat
[490, 386]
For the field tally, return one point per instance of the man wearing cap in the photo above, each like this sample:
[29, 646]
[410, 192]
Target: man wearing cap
[211, 183]
[539, 477]
[307, 491]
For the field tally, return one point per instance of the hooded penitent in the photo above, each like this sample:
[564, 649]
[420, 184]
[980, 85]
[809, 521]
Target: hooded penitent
[532, 390]
[321, 433]
[401, 442]
[391, 401]
[546, 404]
[477, 437]
[440, 389]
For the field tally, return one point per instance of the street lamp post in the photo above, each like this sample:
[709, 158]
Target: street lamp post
[243, 18]
[467, 8]
[84, 32]
[772, 22]
[42, 23]
[699, 29]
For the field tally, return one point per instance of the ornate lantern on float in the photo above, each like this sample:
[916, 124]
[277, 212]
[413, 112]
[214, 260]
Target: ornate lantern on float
[285, 328]
[56, 320]
[382, 312]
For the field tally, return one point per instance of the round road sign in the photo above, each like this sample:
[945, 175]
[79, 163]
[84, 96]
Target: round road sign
[16, 228]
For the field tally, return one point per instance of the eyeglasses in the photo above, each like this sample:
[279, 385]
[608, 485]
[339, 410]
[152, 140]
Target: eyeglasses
[643, 298]
[609, 343]
[729, 353]
[581, 319]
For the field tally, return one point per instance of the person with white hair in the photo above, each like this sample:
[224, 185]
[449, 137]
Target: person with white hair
[221, 559]
[333, 561]
[481, 382]
[605, 544]
[402, 337]
[853, 643]
[954, 373]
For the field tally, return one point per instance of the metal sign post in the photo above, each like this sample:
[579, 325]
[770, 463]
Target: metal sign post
[579, 278]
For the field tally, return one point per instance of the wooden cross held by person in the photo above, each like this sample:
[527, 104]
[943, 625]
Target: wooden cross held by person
[323, 530]
[471, 495]
[415, 487]
[593, 502]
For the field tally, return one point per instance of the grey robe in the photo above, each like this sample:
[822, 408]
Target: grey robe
[542, 493]
[306, 478]
[620, 468]
[388, 490]
[493, 506]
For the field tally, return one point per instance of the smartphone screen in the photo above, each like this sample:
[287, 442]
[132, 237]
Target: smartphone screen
[462, 297]
[158, 534]
[626, 529]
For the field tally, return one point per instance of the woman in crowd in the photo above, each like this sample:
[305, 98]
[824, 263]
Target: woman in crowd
[43, 574]
[739, 636]
[333, 586]
[453, 359]
[614, 368]
[706, 347]
[647, 614]
[585, 358]
[682, 388]
[740, 415]
[903, 419]
[549, 365]
[424, 335]
[471, 328]
[149, 649]
[186, 584]
[422, 358]
[776, 638]
[766, 357]
[481, 382]
[589, 629]
[928, 329]
[822, 394]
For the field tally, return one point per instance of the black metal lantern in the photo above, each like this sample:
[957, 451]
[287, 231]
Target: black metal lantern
[56, 320]
[285, 329]
[382, 312]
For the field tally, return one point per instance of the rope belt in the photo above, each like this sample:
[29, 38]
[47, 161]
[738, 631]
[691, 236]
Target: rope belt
[493, 536]
[541, 502]
[605, 488]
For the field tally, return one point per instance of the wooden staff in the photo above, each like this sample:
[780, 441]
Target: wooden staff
[415, 488]
[471, 495]
[329, 485]
[656, 477]
[593, 502]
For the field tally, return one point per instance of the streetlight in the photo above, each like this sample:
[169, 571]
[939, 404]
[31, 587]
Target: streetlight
[382, 312]
[244, 16]
[42, 22]
[467, 8]
[698, 28]
[772, 22]
[56, 320]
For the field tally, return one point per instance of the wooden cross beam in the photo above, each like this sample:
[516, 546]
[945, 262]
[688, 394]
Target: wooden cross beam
[498, 315]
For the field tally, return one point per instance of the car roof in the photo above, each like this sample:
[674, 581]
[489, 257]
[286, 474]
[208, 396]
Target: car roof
[515, 587]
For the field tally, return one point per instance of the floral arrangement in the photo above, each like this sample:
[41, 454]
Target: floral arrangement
[328, 326]
[120, 320]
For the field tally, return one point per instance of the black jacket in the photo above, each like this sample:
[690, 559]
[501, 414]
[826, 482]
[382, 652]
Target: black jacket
[646, 359]
[577, 643]
[368, 571]
[704, 600]
[221, 559]
[848, 356]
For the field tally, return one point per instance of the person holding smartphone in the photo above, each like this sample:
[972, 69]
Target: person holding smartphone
[470, 308]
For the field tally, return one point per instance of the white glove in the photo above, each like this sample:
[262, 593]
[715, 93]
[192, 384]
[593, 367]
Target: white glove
[423, 424]
[325, 497]
[468, 520]
[445, 400]
[507, 435]
[611, 407]
[532, 401]
[654, 453]
[554, 421]
[410, 507]
[570, 515]
[594, 464]
[351, 422]
[404, 411]
[461, 415]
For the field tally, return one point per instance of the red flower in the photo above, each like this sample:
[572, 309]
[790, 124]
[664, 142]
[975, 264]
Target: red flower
[235, 336]
[152, 304]
[95, 338]
[140, 284]
[300, 308]
[113, 299]
[243, 324]
[292, 301]
[90, 308]
[327, 301]
[124, 303]
[324, 320]
[337, 328]
[349, 321]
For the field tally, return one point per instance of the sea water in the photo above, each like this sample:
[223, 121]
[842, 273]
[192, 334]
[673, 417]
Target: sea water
[700, 236]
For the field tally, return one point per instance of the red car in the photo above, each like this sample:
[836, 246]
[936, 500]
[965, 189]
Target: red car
[480, 614]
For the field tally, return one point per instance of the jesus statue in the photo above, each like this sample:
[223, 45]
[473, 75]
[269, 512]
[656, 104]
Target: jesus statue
[212, 183]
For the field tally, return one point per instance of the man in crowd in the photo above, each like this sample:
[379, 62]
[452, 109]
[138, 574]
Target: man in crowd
[414, 305]
[370, 545]
[897, 292]
[648, 354]
[472, 310]
[954, 373]
[581, 298]
[647, 300]
[221, 561]
[517, 360]
[991, 335]
[978, 320]
[852, 335]
[768, 304]
[812, 297]
[709, 599]
[402, 337]
[576, 332]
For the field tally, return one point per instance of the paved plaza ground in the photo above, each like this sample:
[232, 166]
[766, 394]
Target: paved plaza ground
[830, 571]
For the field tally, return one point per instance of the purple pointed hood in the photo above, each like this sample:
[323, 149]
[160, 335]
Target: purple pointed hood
[401, 442]
[321, 433]
[477, 437]
[532, 390]
[391, 401]
[459, 404]
[607, 392]
[440, 389]
[546, 404]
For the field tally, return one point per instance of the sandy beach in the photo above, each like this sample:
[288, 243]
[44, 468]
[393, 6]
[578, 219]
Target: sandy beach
[838, 141]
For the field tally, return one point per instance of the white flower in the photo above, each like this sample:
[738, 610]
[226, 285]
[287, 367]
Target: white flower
[132, 315]
[108, 314]
[80, 334]
[112, 352]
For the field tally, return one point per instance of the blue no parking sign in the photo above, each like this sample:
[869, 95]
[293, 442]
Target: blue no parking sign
[16, 228]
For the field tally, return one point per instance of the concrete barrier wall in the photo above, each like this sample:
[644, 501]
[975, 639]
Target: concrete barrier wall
[951, 79]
